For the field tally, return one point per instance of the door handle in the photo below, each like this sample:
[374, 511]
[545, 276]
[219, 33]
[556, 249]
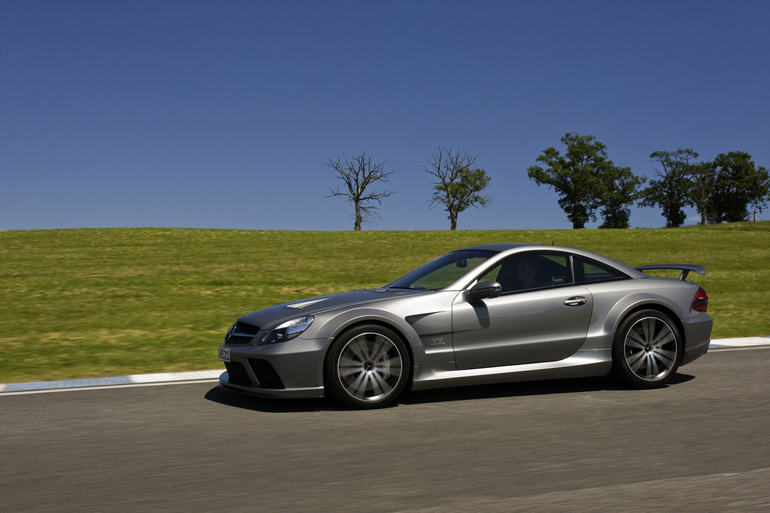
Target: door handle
[575, 301]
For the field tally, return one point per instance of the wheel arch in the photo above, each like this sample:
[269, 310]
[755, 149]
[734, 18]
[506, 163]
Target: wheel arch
[663, 308]
[368, 321]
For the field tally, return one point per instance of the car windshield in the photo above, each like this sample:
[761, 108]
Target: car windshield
[443, 271]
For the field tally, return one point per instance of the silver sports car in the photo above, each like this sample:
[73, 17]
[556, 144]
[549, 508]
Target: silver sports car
[484, 314]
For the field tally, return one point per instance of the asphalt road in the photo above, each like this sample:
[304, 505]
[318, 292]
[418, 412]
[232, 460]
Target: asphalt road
[701, 444]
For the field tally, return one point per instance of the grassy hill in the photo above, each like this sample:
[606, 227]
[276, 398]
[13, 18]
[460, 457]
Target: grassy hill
[99, 302]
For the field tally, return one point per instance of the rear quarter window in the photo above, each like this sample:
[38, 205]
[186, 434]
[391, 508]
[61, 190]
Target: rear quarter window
[589, 271]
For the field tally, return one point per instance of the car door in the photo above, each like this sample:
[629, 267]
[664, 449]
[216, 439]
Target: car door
[530, 322]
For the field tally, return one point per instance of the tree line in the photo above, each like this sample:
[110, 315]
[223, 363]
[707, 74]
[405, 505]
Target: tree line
[587, 182]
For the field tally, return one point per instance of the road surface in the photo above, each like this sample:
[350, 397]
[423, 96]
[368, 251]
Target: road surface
[701, 444]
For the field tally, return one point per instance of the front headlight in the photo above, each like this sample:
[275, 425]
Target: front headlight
[288, 330]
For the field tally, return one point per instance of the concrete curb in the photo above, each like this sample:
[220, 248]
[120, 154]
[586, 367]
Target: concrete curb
[213, 375]
[136, 379]
[723, 343]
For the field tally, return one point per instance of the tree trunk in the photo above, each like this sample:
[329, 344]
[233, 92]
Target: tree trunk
[453, 219]
[357, 226]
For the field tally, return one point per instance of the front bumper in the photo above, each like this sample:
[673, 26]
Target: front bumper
[286, 369]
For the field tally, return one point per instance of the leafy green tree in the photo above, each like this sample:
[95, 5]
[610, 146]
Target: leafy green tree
[673, 190]
[737, 184]
[359, 175]
[587, 180]
[620, 188]
[702, 189]
[458, 184]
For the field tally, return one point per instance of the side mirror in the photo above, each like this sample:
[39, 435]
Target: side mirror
[484, 290]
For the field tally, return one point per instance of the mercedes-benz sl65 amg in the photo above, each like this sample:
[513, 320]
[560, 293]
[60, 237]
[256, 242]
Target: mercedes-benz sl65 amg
[484, 314]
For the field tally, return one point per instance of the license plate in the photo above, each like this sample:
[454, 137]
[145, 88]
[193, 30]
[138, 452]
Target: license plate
[224, 353]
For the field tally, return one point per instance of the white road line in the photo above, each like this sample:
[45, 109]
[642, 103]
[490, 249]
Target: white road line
[210, 376]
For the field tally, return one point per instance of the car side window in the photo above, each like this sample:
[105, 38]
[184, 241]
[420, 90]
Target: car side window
[531, 271]
[588, 271]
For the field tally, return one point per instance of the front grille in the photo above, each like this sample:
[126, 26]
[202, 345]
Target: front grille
[265, 374]
[241, 334]
[237, 374]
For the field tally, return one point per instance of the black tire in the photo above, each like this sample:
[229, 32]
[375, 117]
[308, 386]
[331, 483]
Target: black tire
[647, 349]
[367, 367]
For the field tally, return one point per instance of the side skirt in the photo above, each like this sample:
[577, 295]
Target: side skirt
[582, 364]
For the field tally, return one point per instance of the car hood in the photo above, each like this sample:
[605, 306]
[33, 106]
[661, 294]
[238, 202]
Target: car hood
[274, 315]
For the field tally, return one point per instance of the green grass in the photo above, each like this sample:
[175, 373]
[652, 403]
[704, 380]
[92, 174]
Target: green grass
[100, 302]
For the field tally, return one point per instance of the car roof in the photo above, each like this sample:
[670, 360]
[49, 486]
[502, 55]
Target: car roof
[497, 247]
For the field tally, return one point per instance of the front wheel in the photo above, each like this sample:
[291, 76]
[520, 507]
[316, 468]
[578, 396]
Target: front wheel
[647, 349]
[368, 367]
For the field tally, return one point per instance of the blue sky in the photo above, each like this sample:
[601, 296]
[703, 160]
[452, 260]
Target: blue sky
[223, 114]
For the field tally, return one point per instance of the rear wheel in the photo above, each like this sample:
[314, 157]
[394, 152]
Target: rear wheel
[368, 367]
[647, 349]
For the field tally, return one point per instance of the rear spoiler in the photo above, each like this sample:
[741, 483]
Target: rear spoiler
[685, 268]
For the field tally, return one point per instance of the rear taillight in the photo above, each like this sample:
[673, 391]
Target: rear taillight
[700, 302]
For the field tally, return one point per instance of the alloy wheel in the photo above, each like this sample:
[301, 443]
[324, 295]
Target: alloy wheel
[650, 349]
[369, 367]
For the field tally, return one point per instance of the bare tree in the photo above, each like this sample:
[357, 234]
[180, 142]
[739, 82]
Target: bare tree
[358, 175]
[459, 185]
